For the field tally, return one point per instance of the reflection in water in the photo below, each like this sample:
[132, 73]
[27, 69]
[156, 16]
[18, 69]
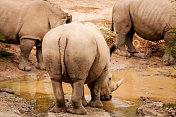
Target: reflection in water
[32, 87]
[150, 82]
[120, 107]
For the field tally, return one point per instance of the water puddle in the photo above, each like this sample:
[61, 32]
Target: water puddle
[153, 82]
[138, 82]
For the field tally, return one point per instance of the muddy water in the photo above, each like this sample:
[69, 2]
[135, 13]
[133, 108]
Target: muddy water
[153, 82]
[138, 82]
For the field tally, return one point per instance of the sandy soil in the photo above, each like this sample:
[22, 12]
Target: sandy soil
[96, 11]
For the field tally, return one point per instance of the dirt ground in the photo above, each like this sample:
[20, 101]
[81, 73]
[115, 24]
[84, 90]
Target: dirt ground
[98, 12]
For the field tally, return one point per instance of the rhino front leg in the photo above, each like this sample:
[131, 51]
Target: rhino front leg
[26, 46]
[39, 56]
[77, 95]
[95, 88]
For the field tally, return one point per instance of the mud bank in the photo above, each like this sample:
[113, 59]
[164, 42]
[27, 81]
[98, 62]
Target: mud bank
[153, 108]
[13, 106]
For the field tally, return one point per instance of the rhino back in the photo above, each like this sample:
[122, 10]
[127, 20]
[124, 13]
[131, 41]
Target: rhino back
[35, 21]
[25, 19]
[83, 54]
[41, 16]
[10, 18]
[150, 17]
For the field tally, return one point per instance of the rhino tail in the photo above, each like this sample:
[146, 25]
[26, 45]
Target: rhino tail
[62, 48]
[112, 25]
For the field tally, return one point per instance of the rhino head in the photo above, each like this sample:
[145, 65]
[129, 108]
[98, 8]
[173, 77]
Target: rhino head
[108, 87]
[58, 17]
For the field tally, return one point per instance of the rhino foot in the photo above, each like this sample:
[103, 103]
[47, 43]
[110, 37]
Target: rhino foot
[56, 109]
[80, 111]
[41, 66]
[24, 67]
[95, 103]
[124, 53]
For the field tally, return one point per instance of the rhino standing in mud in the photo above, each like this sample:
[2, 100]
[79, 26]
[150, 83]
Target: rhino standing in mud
[25, 22]
[77, 53]
[150, 19]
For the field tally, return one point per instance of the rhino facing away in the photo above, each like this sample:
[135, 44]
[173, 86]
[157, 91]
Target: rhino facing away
[150, 19]
[77, 53]
[25, 22]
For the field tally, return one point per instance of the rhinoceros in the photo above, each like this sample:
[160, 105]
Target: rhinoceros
[77, 53]
[150, 19]
[25, 22]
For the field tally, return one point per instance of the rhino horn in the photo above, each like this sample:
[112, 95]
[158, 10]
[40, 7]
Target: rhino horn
[117, 84]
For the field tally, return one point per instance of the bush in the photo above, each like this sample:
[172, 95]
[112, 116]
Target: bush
[172, 48]
[4, 53]
[2, 38]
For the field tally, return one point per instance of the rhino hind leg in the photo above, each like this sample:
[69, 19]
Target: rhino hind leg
[26, 46]
[55, 73]
[84, 102]
[77, 95]
[58, 92]
[123, 25]
[39, 56]
[129, 41]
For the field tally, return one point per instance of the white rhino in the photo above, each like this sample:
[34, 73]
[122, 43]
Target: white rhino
[150, 19]
[25, 22]
[77, 53]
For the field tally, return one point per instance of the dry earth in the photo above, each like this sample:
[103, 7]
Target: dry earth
[98, 12]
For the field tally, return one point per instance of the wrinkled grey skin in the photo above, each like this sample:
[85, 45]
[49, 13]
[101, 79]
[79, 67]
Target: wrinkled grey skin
[78, 54]
[25, 22]
[148, 18]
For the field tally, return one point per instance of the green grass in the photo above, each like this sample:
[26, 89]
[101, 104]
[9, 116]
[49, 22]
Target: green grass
[4, 53]
[2, 37]
[4, 63]
[172, 76]
[169, 105]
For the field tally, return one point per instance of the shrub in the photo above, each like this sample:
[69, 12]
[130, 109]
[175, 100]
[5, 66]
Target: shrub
[4, 53]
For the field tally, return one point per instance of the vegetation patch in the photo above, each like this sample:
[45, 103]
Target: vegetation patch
[3, 63]
[169, 105]
[107, 33]
[172, 76]
[4, 53]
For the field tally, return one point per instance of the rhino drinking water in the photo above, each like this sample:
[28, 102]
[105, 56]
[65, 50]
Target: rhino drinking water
[25, 22]
[78, 54]
[150, 19]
